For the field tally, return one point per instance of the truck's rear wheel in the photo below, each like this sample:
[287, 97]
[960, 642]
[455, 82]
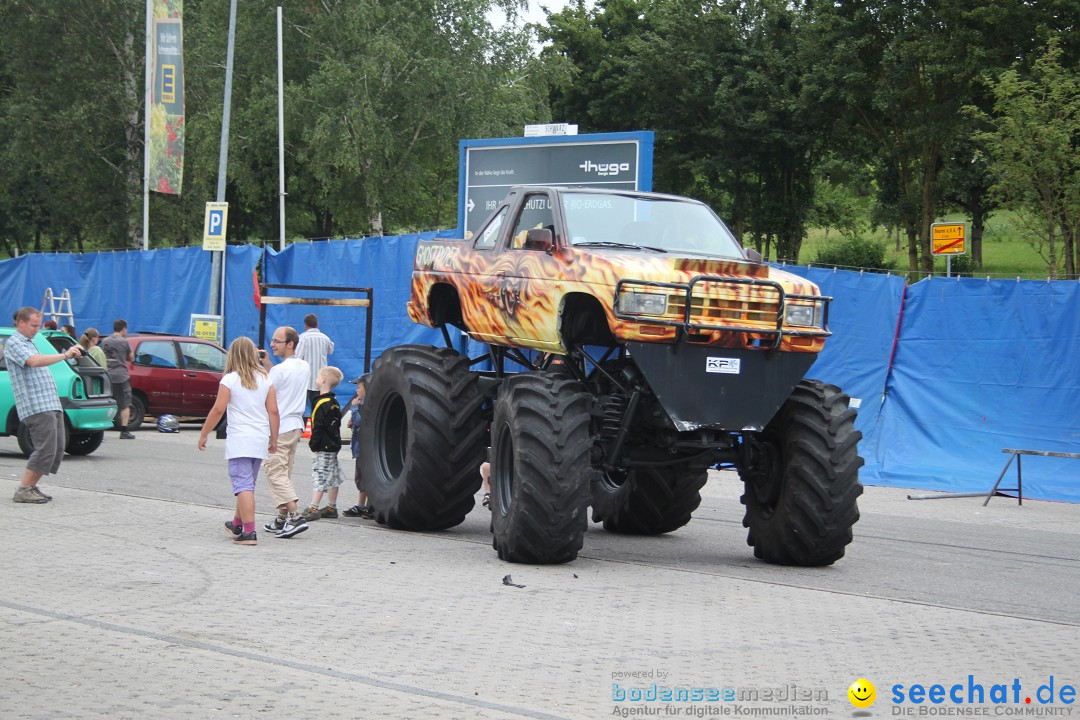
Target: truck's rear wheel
[540, 468]
[800, 493]
[422, 438]
[648, 501]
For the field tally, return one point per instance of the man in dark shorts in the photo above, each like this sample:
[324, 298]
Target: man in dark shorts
[37, 402]
[118, 353]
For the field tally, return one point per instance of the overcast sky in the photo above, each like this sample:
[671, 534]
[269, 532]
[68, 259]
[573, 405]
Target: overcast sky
[534, 14]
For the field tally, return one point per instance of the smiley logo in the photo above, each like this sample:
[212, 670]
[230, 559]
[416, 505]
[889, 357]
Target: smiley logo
[862, 693]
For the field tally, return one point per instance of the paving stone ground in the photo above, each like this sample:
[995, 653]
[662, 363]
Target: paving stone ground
[116, 604]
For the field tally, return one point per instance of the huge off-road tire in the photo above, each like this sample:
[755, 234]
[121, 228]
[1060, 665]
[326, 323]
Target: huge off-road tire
[800, 492]
[84, 443]
[422, 438]
[540, 468]
[648, 501]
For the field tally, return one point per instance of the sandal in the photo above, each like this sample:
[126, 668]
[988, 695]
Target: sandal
[487, 499]
[354, 511]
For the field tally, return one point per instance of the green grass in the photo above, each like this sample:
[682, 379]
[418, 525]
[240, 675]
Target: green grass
[1006, 249]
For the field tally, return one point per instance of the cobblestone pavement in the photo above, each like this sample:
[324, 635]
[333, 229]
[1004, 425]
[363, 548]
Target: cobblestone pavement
[124, 598]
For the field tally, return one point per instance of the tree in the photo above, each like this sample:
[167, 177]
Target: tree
[966, 182]
[1033, 148]
[72, 148]
[377, 97]
[720, 84]
[383, 119]
[899, 74]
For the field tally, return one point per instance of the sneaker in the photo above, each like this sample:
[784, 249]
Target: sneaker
[37, 489]
[487, 500]
[354, 511]
[125, 435]
[30, 495]
[328, 512]
[234, 530]
[293, 526]
[245, 539]
[276, 524]
[311, 514]
[368, 513]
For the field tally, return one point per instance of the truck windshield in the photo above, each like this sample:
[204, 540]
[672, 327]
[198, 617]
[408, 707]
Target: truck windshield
[675, 226]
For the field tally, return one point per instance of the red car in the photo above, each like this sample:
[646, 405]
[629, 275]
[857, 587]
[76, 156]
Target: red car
[173, 374]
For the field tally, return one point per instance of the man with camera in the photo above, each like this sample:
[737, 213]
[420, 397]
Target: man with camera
[36, 401]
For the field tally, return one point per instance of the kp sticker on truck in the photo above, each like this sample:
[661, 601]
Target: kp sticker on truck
[727, 366]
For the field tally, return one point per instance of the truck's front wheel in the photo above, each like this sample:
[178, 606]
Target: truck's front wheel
[540, 468]
[801, 487]
[648, 501]
[421, 438]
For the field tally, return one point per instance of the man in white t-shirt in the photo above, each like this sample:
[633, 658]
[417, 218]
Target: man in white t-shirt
[290, 379]
[313, 348]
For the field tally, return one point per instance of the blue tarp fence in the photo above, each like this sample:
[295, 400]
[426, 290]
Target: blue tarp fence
[981, 366]
[945, 373]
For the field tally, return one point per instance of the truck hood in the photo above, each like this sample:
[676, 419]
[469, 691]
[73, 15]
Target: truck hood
[655, 267]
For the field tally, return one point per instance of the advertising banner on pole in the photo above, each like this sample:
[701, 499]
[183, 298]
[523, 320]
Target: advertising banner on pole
[167, 108]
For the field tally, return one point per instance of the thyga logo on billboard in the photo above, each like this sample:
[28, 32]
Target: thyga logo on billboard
[604, 169]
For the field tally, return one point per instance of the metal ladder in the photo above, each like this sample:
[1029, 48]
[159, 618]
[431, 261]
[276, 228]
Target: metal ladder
[58, 308]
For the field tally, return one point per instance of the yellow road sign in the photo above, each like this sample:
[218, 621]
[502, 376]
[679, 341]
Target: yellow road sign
[948, 239]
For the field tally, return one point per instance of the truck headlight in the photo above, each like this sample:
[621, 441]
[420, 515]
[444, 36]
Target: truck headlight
[638, 303]
[803, 315]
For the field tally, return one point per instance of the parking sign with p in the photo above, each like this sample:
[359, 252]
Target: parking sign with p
[217, 215]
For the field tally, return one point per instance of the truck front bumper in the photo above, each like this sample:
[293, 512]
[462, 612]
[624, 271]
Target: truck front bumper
[733, 389]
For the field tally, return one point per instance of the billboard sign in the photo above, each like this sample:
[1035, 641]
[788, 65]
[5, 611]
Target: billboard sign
[489, 168]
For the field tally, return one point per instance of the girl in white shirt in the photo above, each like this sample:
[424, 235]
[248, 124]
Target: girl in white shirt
[248, 395]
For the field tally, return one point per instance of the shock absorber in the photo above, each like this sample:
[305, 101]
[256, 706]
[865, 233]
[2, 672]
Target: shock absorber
[624, 425]
[614, 411]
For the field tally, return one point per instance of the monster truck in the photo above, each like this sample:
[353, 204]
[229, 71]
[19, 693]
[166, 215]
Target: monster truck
[648, 346]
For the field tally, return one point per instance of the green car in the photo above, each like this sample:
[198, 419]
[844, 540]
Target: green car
[85, 394]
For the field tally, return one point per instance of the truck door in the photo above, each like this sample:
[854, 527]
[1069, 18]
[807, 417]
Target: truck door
[529, 278]
[480, 288]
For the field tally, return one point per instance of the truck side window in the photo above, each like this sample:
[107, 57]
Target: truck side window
[536, 213]
[486, 238]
